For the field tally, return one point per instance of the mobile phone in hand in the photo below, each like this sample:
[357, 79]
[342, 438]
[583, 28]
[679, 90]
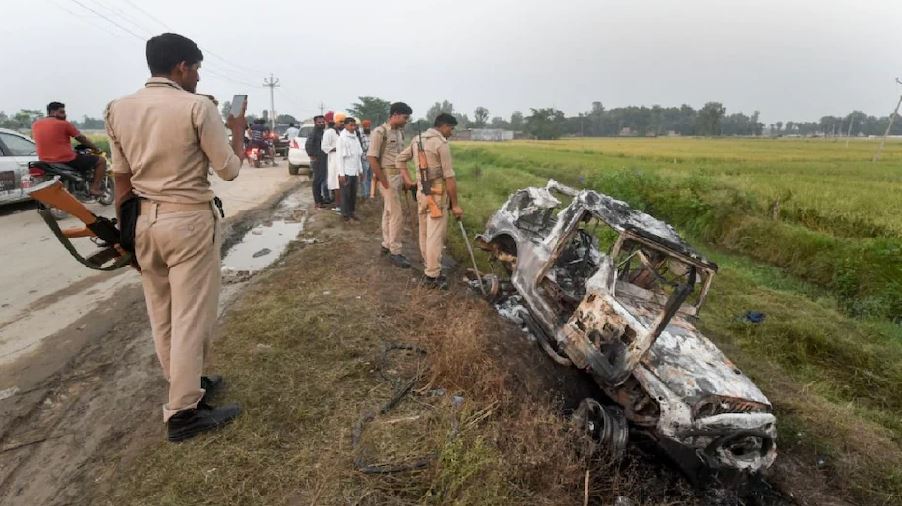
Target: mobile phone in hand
[238, 102]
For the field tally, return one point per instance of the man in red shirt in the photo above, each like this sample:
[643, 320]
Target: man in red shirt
[52, 141]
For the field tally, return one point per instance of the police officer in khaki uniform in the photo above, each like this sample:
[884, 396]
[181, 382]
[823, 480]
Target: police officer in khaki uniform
[443, 191]
[163, 140]
[386, 142]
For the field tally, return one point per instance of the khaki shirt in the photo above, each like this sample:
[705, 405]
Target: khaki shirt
[385, 144]
[438, 156]
[167, 139]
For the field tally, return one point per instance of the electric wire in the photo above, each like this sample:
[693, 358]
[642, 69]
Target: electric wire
[212, 71]
[236, 66]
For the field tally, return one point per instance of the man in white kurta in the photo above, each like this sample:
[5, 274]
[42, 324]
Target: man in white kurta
[350, 155]
[330, 147]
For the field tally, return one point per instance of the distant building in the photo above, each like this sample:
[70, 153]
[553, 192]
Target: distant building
[491, 134]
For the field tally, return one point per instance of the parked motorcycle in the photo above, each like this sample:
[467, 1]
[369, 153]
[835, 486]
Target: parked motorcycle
[77, 183]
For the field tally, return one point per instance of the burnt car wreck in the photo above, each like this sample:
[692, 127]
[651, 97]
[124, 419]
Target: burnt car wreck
[616, 293]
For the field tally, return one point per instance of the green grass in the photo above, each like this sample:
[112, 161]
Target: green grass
[831, 219]
[828, 356]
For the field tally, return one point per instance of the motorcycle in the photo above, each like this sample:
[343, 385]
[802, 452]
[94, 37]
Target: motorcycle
[77, 183]
[258, 156]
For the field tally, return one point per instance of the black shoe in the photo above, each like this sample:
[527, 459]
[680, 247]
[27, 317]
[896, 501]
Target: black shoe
[190, 422]
[384, 251]
[440, 282]
[211, 384]
[399, 261]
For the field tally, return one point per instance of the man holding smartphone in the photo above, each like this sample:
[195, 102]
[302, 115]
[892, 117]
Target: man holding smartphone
[163, 140]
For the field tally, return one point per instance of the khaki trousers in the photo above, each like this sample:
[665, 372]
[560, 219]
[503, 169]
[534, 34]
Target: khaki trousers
[392, 215]
[180, 270]
[432, 234]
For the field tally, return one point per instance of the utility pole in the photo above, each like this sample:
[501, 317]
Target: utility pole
[322, 108]
[849, 133]
[892, 117]
[272, 83]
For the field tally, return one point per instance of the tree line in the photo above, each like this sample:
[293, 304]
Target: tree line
[712, 119]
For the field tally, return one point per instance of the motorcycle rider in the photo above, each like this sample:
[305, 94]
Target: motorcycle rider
[53, 145]
[258, 132]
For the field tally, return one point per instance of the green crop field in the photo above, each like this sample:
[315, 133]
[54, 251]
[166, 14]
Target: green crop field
[807, 231]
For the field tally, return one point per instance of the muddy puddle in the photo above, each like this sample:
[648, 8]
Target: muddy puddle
[264, 243]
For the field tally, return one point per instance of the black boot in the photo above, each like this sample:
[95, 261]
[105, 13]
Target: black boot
[440, 282]
[399, 261]
[190, 422]
[211, 385]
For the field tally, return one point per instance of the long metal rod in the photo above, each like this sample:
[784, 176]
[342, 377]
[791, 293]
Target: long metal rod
[472, 257]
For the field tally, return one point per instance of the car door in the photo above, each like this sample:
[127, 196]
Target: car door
[16, 150]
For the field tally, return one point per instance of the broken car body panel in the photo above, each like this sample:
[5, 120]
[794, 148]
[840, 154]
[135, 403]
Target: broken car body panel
[625, 314]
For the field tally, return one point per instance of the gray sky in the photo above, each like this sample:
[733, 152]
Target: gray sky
[790, 59]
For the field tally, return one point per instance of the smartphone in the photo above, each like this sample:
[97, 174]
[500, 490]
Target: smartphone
[238, 102]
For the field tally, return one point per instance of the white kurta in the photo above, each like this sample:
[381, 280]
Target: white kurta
[330, 146]
[351, 154]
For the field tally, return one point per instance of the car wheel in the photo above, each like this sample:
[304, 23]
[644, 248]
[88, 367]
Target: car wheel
[605, 427]
[293, 169]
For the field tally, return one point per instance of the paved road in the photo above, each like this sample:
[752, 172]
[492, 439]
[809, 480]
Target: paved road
[43, 289]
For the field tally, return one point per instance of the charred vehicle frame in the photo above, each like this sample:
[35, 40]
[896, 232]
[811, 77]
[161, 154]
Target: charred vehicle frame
[625, 311]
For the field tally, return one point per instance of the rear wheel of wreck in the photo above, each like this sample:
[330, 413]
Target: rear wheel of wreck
[605, 427]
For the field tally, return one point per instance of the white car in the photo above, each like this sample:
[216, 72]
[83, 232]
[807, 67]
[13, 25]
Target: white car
[297, 154]
[16, 150]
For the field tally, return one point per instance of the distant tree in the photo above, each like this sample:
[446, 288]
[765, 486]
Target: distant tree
[779, 126]
[709, 117]
[371, 108]
[226, 109]
[757, 126]
[285, 119]
[438, 108]
[498, 122]
[517, 120]
[88, 123]
[545, 123]
[480, 117]
[463, 121]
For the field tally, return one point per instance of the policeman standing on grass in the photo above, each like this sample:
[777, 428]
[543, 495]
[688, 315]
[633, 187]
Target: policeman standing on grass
[163, 140]
[386, 142]
[442, 191]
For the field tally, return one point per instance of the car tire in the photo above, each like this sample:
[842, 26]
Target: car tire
[293, 169]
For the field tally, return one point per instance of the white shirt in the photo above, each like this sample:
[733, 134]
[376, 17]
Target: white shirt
[350, 153]
[292, 132]
[330, 141]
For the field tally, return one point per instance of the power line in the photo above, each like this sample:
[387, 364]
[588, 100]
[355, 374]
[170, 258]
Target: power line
[124, 29]
[84, 18]
[211, 71]
[149, 15]
[122, 15]
[236, 67]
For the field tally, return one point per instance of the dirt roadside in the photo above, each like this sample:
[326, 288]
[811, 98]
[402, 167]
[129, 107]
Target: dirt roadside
[89, 391]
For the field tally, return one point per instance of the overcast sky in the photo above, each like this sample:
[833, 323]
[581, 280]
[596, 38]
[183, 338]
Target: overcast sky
[789, 59]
